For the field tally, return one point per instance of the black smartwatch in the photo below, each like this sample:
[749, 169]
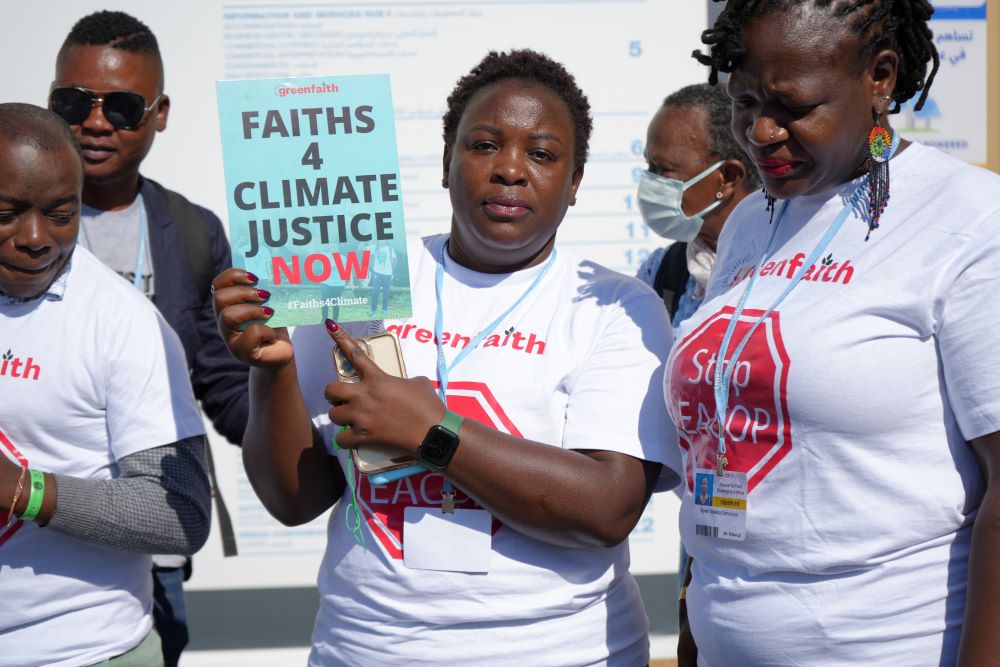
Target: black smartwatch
[440, 443]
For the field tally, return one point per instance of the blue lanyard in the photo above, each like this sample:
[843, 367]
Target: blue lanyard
[443, 368]
[140, 262]
[724, 369]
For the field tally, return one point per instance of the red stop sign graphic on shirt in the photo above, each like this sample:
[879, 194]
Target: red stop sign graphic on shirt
[758, 433]
[383, 506]
[8, 449]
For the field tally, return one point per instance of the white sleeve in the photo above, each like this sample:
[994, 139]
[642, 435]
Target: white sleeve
[616, 401]
[149, 398]
[967, 332]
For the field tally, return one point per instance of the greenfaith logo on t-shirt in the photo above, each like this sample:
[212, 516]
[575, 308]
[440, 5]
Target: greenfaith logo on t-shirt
[829, 270]
[15, 367]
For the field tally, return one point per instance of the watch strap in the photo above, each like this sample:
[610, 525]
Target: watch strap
[440, 443]
[451, 421]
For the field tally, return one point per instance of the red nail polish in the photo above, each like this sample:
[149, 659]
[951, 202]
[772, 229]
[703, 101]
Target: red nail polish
[268, 311]
[332, 326]
[264, 294]
[251, 277]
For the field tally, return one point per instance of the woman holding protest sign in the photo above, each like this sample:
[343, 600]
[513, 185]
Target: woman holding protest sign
[541, 432]
[836, 385]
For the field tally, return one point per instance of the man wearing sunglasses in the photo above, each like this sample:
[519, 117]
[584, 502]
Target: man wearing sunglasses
[109, 88]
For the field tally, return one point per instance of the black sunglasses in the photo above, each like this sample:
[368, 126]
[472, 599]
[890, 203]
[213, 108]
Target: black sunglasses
[123, 109]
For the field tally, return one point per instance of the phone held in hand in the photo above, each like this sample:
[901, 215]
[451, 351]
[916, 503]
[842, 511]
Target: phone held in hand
[380, 461]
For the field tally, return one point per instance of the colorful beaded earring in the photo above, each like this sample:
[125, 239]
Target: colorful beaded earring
[879, 150]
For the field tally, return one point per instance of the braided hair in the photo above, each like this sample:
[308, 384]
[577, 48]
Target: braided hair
[900, 25]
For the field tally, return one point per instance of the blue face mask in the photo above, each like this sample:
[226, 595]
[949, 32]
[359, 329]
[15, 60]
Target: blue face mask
[660, 205]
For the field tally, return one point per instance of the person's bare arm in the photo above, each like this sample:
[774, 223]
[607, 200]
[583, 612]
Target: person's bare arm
[980, 643]
[559, 496]
[283, 454]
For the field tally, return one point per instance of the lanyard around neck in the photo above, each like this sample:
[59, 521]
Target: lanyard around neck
[444, 368]
[724, 368]
[140, 261]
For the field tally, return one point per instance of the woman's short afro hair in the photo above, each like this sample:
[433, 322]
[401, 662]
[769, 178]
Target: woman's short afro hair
[530, 66]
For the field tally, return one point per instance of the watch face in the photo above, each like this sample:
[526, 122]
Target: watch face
[438, 446]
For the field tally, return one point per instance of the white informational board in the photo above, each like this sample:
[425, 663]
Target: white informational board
[953, 118]
[626, 54]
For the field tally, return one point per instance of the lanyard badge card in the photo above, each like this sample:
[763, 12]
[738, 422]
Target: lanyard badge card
[459, 541]
[720, 504]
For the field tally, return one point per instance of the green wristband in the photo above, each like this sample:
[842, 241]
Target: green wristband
[36, 496]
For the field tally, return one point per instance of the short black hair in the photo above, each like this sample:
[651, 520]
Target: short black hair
[718, 116]
[39, 128]
[115, 29]
[900, 25]
[533, 67]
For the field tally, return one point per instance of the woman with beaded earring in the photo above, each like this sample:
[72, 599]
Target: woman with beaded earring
[839, 381]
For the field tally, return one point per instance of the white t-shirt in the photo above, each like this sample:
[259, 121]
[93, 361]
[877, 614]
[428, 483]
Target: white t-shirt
[86, 380]
[575, 370]
[850, 410]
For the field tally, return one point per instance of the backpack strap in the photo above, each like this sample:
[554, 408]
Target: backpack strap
[194, 239]
[672, 276]
[226, 530]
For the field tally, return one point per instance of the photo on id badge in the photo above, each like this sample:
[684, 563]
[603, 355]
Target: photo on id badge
[703, 489]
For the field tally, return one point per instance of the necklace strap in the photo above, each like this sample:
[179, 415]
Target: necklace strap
[443, 368]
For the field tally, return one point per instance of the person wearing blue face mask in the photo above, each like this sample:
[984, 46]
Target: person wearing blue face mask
[695, 165]
[697, 175]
